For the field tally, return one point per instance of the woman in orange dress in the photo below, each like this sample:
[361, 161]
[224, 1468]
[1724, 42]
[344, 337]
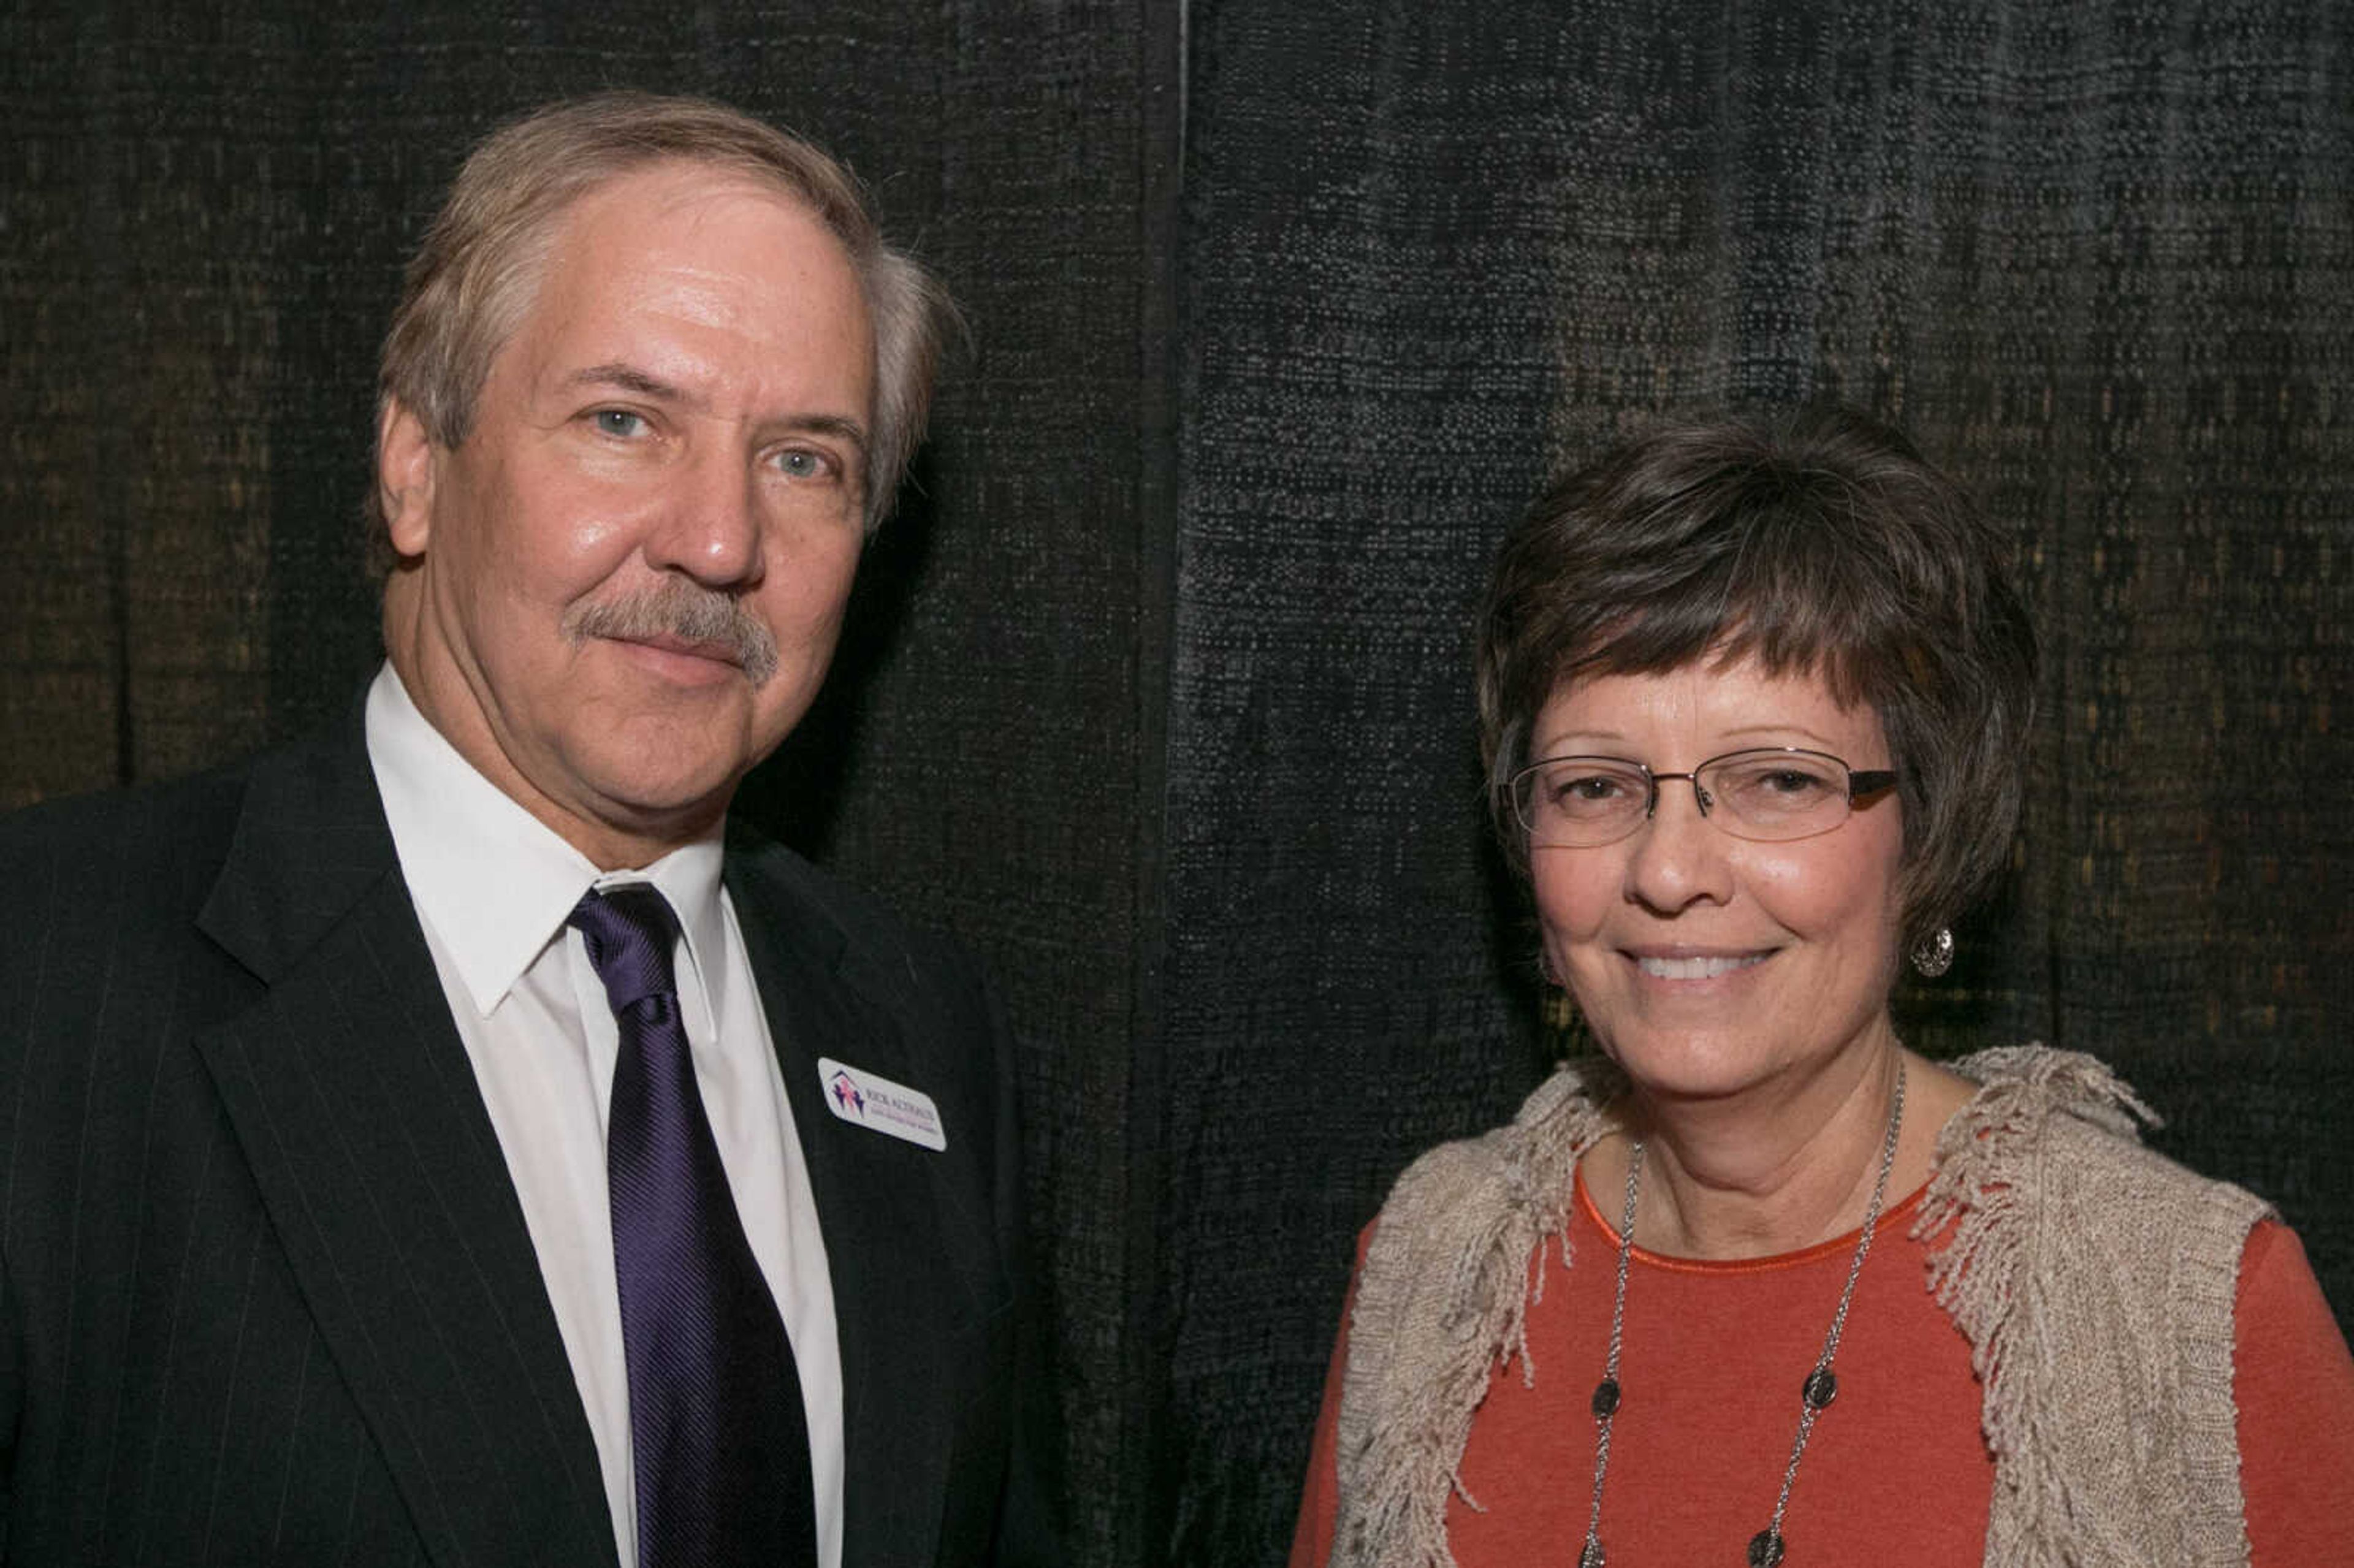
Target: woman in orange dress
[1758, 1283]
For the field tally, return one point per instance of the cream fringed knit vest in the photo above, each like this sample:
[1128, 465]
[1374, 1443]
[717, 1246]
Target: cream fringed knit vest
[2094, 1280]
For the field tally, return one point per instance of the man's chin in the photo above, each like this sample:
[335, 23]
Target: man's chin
[628, 817]
[686, 812]
[650, 779]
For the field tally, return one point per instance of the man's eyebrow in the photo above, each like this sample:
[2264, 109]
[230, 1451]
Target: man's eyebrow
[630, 378]
[834, 425]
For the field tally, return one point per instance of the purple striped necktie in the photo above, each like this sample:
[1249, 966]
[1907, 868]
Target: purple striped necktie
[720, 1447]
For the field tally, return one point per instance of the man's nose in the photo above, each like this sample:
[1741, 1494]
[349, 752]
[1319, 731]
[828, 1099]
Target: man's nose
[710, 524]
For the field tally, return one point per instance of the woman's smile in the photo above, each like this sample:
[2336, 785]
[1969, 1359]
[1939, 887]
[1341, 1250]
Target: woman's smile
[1695, 966]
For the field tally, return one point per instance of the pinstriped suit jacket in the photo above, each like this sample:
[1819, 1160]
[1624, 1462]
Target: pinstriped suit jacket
[266, 1293]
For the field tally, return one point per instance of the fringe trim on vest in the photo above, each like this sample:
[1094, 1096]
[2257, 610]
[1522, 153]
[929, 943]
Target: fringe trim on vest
[1441, 1303]
[2030, 1282]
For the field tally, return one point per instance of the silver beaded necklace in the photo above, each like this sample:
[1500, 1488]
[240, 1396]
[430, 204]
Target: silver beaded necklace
[1815, 1394]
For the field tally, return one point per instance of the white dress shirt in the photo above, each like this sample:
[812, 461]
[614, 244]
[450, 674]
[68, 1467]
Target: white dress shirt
[492, 885]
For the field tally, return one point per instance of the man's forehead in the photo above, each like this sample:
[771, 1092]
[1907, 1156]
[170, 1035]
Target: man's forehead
[668, 186]
[675, 240]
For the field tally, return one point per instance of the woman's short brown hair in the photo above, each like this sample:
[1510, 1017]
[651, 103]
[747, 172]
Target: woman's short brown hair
[478, 270]
[1818, 543]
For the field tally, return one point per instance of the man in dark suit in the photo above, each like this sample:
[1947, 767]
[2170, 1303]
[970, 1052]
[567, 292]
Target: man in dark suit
[450, 1141]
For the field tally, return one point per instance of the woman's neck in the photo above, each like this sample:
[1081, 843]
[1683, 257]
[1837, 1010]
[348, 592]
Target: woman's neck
[1781, 1168]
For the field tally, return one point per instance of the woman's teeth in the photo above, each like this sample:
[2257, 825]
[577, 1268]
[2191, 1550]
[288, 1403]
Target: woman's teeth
[1696, 968]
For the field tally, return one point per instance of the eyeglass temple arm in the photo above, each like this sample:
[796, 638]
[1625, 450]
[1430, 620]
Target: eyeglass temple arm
[1859, 784]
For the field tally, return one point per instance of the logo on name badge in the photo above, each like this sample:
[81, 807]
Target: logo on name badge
[881, 1106]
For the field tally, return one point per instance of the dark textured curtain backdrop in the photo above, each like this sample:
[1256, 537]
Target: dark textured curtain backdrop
[1157, 690]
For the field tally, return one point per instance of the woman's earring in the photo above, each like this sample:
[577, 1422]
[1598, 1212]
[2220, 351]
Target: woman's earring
[1933, 955]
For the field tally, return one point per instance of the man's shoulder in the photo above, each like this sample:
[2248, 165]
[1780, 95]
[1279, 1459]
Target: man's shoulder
[163, 845]
[140, 841]
[106, 952]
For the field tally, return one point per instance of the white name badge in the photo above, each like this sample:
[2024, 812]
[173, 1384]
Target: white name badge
[880, 1105]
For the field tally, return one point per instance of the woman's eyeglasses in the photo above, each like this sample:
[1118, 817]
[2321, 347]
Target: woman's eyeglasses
[1770, 793]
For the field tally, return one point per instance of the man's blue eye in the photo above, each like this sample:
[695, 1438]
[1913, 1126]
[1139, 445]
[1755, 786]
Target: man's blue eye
[619, 422]
[801, 465]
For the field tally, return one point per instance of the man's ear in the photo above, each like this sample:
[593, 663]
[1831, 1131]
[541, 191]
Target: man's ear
[405, 464]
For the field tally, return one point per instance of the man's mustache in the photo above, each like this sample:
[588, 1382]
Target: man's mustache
[683, 609]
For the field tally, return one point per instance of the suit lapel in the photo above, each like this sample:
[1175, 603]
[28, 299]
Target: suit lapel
[357, 1109]
[879, 1216]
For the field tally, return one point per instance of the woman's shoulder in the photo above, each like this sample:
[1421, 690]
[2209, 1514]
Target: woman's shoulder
[2096, 1280]
[2065, 1129]
[2045, 1193]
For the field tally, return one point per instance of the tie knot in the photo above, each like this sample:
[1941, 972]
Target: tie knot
[628, 932]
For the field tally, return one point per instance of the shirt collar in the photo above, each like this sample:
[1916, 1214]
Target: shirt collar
[496, 883]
